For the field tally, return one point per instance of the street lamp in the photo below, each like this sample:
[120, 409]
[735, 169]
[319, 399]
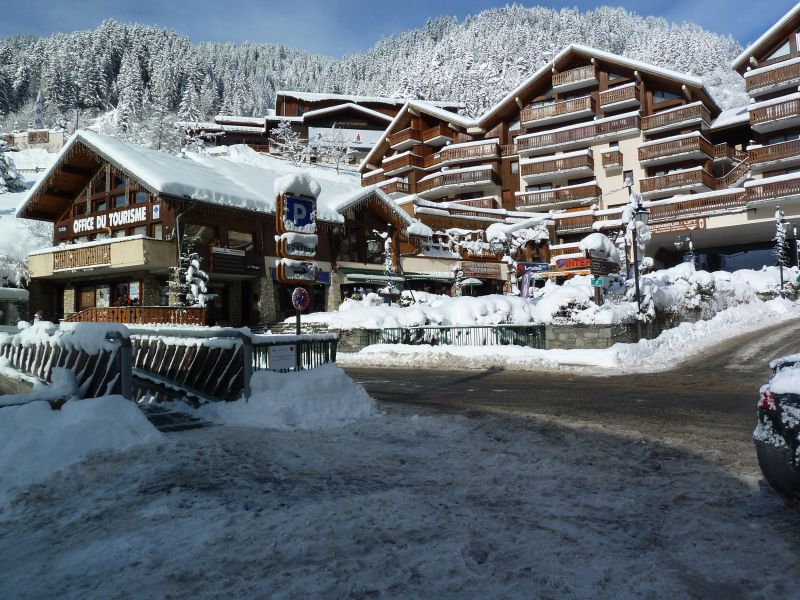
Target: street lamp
[640, 215]
[683, 240]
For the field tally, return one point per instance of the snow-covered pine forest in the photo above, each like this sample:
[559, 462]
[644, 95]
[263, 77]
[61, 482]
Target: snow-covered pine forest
[153, 76]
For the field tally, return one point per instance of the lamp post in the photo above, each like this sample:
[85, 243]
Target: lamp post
[640, 215]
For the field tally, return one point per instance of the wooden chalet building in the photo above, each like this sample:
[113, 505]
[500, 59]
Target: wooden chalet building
[119, 212]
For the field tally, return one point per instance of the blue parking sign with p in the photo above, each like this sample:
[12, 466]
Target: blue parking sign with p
[299, 211]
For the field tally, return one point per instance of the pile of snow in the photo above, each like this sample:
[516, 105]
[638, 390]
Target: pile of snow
[36, 441]
[91, 338]
[319, 398]
[599, 243]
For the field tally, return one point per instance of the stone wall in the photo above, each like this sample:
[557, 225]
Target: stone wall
[267, 307]
[151, 290]
[588, 337]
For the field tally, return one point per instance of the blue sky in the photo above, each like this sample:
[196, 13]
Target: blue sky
[338, 27]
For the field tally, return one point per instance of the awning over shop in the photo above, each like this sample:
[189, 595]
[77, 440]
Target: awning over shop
[368, 276]
[441, 276]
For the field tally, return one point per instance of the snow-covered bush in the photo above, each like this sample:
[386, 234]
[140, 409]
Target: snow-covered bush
[10, 179]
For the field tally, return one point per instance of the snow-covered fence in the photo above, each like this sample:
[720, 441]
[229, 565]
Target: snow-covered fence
[532, 336]
[98, 355]
[311, 350]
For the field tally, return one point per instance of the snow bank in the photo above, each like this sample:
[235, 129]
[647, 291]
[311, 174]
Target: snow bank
[36, 441]
[315, 399]
[301, 184]
[88, 337]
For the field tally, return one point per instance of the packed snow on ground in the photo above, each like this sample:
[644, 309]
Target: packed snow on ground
[36, 441]
[314, 399]
[668, 350]
[398, 506]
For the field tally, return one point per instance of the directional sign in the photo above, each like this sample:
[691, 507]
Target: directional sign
[597, 281]
[603, 266]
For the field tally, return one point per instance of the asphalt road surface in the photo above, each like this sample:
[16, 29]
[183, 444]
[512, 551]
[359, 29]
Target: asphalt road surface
[707, 405]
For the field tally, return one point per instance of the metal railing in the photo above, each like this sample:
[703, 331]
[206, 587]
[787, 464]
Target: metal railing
[310, 351]
[531, 336]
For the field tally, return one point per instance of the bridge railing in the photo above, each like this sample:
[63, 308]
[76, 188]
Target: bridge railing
[531, 336]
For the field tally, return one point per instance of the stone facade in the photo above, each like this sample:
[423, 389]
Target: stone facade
[588, 337]
[333, 293]
[151, 290]
[267, 304]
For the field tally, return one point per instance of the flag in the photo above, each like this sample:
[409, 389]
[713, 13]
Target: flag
[38, 111]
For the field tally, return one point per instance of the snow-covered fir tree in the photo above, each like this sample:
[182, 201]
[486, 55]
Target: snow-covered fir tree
[10, 179]
[781, 255]
[197, 282]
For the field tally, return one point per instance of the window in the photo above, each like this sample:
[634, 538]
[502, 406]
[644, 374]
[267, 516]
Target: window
[784, 50]
[118, 233]
[79, 209]
[613, 145]
[201, 234]
[661, 96]
[158, 231]
[119, 182]
[627, 178]
[515, 167]
[140, 197]
[119, 201]
[783, 137]
[540, 103]
[614, 76]
[140, 230]
[100, 182]
[539, 188]
[240, 239]
[99, 206]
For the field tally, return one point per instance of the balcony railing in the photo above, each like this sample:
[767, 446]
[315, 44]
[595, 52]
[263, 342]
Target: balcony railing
[141, 315]
[78, 258]
[612, 159]
[574, 76]
[780, 77]
[574, 224]
[395, 187]
[405, 137]
[774, 190]
[368, 179]
[571, 249]
[676, 118]
[693, 178]
[463, 154]
[694, 144]
[400, 163]
[508, 150]
[487, 202]
[438, 134]
[621, 94]
[576, 135]
[557, 109]
[571, 163]
[775, 152]
[486, 175]
[694, 207]
[568, 197]
[775, 112]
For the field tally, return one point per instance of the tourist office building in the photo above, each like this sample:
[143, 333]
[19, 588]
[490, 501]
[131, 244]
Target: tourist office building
[567, 142]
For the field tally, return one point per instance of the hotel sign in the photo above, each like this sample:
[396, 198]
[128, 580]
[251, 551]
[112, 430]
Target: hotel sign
[129, 216]
[678, 226]
[482, 270]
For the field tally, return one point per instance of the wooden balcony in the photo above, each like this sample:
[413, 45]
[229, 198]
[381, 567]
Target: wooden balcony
[558, 111]
[583, 135]
[395, 187]
[399, 164]
[568, 225]
[508, 150]
[783, 154]
[619, 98]
[773, 80]
[405, 139]
[456, 182]
[462, 154]
[776, 116]
[676, 118]
[612, 159]
[575, 78]
[688, 148]
[368, 179]
[485, 202]
[80, 258]
[696, 179]
[571, 166]
[567, 197]
[725, 201]
[773, 191]
[141, 315]
[438, 135]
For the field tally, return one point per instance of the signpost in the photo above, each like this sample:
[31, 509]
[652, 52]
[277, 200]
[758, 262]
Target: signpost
[300, 300]
[597, 281]
[295, 221]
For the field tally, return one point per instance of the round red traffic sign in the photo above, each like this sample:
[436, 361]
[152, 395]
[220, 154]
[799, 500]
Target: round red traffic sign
[300, 298]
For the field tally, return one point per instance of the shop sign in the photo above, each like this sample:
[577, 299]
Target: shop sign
[355, 138]
[482, 270]
[678, 226]
[567, 264]
[115, 219]
[534, 267]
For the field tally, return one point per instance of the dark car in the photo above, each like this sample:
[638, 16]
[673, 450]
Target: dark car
[777, 435]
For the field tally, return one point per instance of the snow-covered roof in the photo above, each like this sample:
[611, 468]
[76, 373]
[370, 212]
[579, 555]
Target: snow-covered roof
[343, 202]
[223, 119]
[319, 96]
[349, 105]
[730, 117]
[766, 36]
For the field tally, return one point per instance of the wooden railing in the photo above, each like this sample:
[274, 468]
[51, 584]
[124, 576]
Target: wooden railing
[406, 161]
[577, 134]
[697, 207]
[676, 117]
[487, 202]
[141, 315]
[774, 190]
[675, 147]
[438, 131]
[574, 224]
[621, 94]
[391, 187]
[82, 257]
[612, 159]
[560, 198]
[368, 179]
[508, 150]
[556, 109]
[466, 153]
[773, 77]
[574, 75]
[734, 175]
[584, 161]
[775, 112]
[773, 152]
[405, 135]
[554, 252]
[677, 180]
[464, 177]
